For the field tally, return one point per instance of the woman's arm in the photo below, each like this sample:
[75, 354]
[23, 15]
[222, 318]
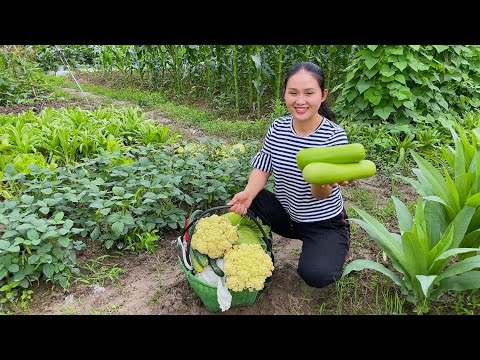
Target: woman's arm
[321, 192]
[256, 182]
[242, 200]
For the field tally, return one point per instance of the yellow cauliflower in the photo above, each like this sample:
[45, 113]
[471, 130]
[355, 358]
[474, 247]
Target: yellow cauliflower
[214, 235]
[246, 267]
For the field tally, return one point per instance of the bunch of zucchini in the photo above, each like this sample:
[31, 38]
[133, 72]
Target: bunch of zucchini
[334, 164]
[200, 261]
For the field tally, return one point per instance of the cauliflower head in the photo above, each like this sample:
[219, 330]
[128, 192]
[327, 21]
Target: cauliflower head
[214, 235]
[246, 267]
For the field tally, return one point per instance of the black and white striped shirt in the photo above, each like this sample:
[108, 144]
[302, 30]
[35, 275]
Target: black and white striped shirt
[278, 157]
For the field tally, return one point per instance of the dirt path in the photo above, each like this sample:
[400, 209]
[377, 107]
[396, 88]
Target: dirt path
[152, 284]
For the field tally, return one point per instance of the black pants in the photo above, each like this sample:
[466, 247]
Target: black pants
[325, 243]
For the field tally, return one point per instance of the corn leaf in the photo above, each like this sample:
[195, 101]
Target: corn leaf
[452, 198]
[432, 175]
[472, 239]
[443, 245]
[415, 255]
[358, 265]
[419, 225]
[436, 220]
[449, 155]
[461, 267]
[473, 201]
[426, 282]
[466, 281]
[382, 236]
[424, 183]
[459, 167]
[459, 227]
[403, 215]
[416, 185]
[463, 183]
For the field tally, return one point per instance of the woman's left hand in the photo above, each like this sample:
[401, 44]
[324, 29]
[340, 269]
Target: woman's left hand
[320, 192]
[344, 183]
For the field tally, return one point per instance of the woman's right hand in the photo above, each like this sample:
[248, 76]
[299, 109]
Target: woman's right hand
[240, 202]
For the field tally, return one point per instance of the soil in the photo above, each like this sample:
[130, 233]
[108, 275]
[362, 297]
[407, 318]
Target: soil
[154, 284]
[37, 107]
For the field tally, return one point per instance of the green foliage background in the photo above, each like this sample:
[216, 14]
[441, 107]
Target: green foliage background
[401, 84]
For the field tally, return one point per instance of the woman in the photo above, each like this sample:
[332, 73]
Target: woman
[315, 214]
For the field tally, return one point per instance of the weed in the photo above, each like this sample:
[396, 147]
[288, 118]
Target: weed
[99, 272]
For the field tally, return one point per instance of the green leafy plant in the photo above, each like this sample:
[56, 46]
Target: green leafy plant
[34, 247]
[65, 136]
[424, 252]
[460, 185]
[407, 83]
[146, 240]
[20, 81]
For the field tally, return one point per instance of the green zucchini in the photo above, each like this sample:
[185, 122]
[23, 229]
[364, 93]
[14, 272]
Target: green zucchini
[202, 258]
[195, 263]
[215, 268]
[340, 154]
[325, 173]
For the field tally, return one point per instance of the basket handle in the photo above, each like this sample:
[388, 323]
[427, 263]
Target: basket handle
[208, 211]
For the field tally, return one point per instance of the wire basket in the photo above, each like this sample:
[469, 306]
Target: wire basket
[207, 292]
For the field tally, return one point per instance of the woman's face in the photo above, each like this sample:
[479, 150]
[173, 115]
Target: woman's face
[303, 96]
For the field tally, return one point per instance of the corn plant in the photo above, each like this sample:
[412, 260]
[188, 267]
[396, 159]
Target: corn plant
[177, 54]
[461, 185]
[278, 81]
[235, 78]
[257, 82]
[424, 252]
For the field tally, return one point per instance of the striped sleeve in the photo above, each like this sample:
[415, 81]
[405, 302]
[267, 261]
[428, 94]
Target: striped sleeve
[263, 159]
[339, 137]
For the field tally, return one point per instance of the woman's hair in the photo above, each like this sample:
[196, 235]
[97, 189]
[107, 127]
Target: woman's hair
[317, 73]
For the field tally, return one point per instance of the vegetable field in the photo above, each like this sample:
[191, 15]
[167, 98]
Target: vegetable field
[96, 183]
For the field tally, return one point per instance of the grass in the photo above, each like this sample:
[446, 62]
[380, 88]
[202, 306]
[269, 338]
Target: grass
[100, 271]
[388, 301]
[321, 308]
[61, 94]
[363, 198]
[342, 286]
[109, 309]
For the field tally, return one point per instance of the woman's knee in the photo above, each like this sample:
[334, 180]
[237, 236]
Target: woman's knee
[319, 278]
